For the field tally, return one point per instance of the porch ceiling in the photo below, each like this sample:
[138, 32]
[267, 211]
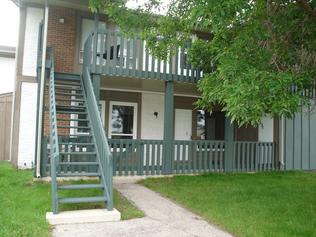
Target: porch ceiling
[76, 4]
[134, 84]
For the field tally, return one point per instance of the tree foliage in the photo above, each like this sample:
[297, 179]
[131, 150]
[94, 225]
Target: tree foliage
[259, 61]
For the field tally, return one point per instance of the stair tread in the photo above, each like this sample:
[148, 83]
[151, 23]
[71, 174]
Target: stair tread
[79, 127]
[79, 135]
[79, 153]
[78, 163]
[74, 174]
[70, 112]
[75, 100]
[82, 199]
[72, 119]
[66, 77]
[76, 143]
[66, 86]
[80, 186]
[68, 83]
[67, 73]
[71, 106]
[67, 89]
[72, 94]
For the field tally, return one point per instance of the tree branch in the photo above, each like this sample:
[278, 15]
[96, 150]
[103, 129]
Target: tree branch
[307, 7]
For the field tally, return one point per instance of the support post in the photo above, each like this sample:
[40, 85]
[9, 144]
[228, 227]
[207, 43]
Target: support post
[168, 127]
[96, 82]
[229, 145]
[95, 43]
[96, 78]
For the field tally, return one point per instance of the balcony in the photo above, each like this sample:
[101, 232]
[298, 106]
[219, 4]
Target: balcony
[112, 53]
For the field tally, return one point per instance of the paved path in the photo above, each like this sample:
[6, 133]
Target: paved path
[163, 219]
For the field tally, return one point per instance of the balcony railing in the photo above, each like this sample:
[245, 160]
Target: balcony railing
[117, 55]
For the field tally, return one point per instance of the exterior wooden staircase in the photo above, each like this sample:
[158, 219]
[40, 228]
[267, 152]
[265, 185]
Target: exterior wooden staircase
[78, 143]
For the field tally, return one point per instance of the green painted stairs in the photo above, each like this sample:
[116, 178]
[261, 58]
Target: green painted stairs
[77, 151]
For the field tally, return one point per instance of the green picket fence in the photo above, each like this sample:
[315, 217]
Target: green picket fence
[198, 156]
[254, 156]
[146, 157]
[137, 157]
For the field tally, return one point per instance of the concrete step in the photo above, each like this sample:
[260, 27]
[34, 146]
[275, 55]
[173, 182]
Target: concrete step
[83, 216]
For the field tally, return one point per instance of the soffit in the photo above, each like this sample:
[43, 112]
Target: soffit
[75, 4]
[135, 84]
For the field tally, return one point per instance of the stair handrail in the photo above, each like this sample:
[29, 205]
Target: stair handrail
[104, 155]
[54, 145]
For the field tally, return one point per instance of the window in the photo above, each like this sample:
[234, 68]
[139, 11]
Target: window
[123, 120]
[210, 126]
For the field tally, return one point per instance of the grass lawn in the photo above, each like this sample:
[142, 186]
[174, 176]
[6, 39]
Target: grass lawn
[262, 204]
[24, 203]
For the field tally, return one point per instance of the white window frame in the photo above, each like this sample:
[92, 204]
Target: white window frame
[134, 135]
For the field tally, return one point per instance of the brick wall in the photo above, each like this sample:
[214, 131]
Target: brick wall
[61, 131]
[61, 36]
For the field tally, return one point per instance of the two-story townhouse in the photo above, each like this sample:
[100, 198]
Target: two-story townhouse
[148, 122]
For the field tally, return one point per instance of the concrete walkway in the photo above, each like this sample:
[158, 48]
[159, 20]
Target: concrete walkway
[163, 219]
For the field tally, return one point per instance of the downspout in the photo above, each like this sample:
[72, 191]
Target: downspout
[42, 96]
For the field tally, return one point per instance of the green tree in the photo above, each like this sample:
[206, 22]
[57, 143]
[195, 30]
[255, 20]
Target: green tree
[260, 58]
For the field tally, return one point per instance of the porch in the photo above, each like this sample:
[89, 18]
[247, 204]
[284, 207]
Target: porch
[144, 157]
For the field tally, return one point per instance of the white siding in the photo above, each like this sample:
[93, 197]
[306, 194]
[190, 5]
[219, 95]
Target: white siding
[7, 69]
[33, 18]
[265, 132]
[152, 127]
[27, 125]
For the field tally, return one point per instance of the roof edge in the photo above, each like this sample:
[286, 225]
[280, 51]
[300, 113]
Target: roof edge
[7, 51]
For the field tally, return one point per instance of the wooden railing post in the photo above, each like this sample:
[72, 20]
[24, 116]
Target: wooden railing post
[96, 82]
[168, 127]
[95, 43]
[229, 145]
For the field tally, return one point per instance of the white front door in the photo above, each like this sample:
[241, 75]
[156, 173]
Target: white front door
[183, 124]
